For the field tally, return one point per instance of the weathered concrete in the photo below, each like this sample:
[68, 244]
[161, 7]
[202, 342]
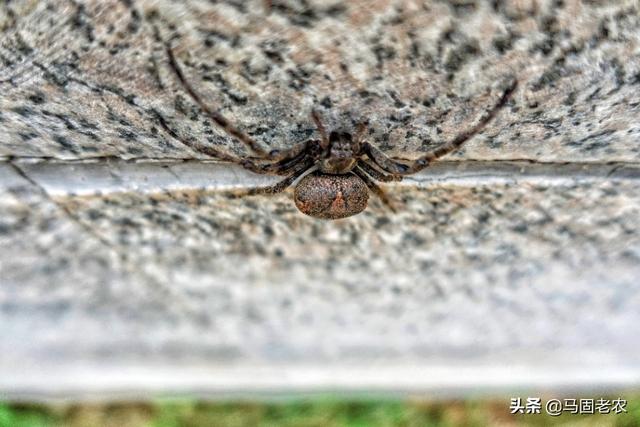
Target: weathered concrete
[92, 79]
[528, 280]
[131, 266]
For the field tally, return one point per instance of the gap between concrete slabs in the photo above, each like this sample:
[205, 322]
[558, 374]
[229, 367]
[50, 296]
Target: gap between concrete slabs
[61, 178]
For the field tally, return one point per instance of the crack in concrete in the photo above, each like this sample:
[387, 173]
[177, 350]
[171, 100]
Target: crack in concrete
[143, 160]
[78, 178]
[106, 159]
[65, 210]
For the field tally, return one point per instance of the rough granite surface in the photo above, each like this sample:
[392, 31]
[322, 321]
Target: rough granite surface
[541, 273]
[91, 78]
[125, 268]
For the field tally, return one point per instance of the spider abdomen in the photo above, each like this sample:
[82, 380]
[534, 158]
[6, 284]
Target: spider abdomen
[327, 196]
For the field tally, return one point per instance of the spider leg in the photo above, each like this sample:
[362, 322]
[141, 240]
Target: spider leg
[281, 185]
[225, 125]
[321, 129]
[374, 188]
[312, 147]
[278, 168]
[249, 164]
[309, 150]
[222, 122]
[360, 130]
[395, 167]
[376, 174]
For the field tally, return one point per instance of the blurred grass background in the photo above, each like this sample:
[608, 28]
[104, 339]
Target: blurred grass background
[303, 413]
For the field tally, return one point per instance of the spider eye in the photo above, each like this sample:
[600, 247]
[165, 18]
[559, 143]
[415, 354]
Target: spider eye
[334, 136]
[346, 136]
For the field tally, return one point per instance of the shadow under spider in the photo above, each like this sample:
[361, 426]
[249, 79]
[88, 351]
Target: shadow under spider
[340, 168]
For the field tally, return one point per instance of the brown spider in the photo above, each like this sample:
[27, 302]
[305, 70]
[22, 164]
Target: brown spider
[340, 174]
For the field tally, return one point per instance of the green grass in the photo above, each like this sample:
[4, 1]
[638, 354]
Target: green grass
[311, 413]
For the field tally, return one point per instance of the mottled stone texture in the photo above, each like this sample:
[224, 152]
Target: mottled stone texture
[491, 280]
[145, 271]
[91, 78]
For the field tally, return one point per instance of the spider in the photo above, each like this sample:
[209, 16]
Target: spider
[338, 170]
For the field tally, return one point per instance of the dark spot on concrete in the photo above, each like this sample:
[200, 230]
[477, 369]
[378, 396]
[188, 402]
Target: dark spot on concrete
[463, 7]
[571, 98]
[273, 49]
[303, 16]
[127, 135]
[27, 136]
[89, 148]
[503, 43]
[37, 97]
[91, 135]
[134, 23]
[382, 221]
[365, 94]
[619, 71]
[23, 111]
[298, 78]
[547, 79]
[214, 36]
[225, 87]
[549, 25]
[382, 52]
[79, 20]
[460, 55]
[65, 143]
[336, 10]
[22, 46]
[545, 47]
[594, 141]
[68, 124]
[180, 105]
[428, 102]
[396, 99]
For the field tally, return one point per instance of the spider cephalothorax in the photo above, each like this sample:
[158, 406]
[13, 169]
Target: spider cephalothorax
[341, 154]
[337, 170]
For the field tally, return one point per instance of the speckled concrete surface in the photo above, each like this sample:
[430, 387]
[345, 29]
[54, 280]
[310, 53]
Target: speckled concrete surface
[92, 78]
[515, 263]
[474, 284]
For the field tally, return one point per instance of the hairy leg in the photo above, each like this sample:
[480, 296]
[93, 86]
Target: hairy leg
[309, 150]
[376, 174]
[259, 166]
[204, 149]
[225, 125]
[222, 122]
[281, 185]
[323, 132]
[400, 168]
[360, 131]
[374, 188]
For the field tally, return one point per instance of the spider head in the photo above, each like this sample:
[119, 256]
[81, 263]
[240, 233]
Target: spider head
[341, 144]
[341, 154]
